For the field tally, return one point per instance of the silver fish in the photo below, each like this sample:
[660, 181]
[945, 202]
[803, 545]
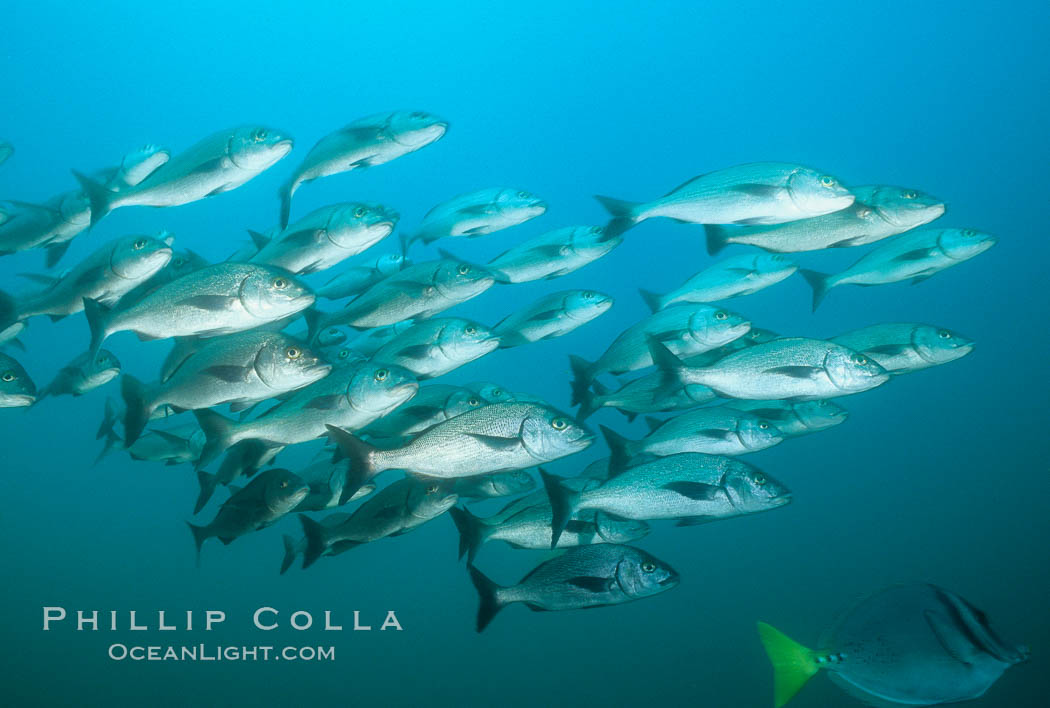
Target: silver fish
[755, 193]
[325, 237]
[794, 418]
[263, 501]
[880, 211]
[181, 263]
[551, 316]
[686, 330]
[715, 430]
[656, 392]
[478, 213]
[531, 528]
[366, 142]
[793, 367]
[6, 151]
[417, 292]
[326, 480]
[435, 347]
[355, 279]
[104, 276]
[492, 392]
[495, 485]
[51, 225]
[433, 404]
[732, 277]
[915, 645]
[903, 348]
[554, 254]
[219, 299]
[85, 373]
[586, 576]
[243, 369]
[16, 388]
[493, 438]
[369, 342]
[914, 256]
[217, 164]
[755, 335]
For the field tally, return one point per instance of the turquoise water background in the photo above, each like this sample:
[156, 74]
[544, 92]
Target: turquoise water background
[939, 476]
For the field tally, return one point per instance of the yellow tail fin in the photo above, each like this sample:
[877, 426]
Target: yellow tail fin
[793, 664]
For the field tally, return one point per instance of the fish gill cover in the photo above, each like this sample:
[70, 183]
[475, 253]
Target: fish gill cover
[300, 303]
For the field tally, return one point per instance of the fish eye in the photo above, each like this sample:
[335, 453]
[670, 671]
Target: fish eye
[523, 195]
[101, 360]
[343, 353]
[284, 484]
[359, 212]
[260, 135]
[760, 480]
[596, 230]
[417, 114]
[473, 401]
[588, 295]
[910, 194]
[470, 329]
[428, 290]
[944, 334]
[280, 283]
[178, 262]
[827, 181]
[497, 392]
[721, 315]
[8, 376]
[559, 424]
[333, 331]
[293, 352]
[433, 489]
[139, 244]
[763, 425]
[381, 374]
[860, 360]
[864, 212]
[463, 269]
[969, 233]
[823, 404]
[648, 567]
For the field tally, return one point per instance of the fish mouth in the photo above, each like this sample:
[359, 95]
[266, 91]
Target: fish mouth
[18, 400]
[670, 581]
[284, 146]
[405, 388]
[782, 500]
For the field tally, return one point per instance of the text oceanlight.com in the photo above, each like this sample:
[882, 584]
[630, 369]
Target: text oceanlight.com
[202, 652]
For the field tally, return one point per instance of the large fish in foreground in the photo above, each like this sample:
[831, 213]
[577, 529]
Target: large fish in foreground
[217, 164]
[551, 316]
[903, 348]
[493, 438]
[755, 193]
[792, 367]
[879, 212]
[914, 256]
[105, 276]
[16, 388]
[907, 645]
[220, 299]
[477, 213]
[240, 369]
[554, 254]
[366, 142]
[586, 576]
[264, 500]
[325, 237]
[732, 277]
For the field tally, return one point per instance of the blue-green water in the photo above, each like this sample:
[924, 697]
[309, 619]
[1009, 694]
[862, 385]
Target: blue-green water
[938, 476]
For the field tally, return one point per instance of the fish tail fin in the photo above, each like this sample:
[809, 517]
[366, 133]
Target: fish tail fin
[285, 193]
[218, 431]
[563, 504]
[98, 196]
[98, 318]
[137, 408]
[488, 595]
[316, 543]
[581, 378]
[8, 311]
[361, 468]
[207, 483]
[717, 238]
[53, 254]
[667, 362]
[200, 535]
[314, 323]
[793, 664]
[623, 215]
[619, 447]
[290, 552]
[470, 533]
[819, 283]
[653, 300]
[405, 240]
[589, 403]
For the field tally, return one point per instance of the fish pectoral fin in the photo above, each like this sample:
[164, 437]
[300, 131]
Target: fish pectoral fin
[888, 349]
[591, 583]
[953, 641]
[845, 243]
[227, 540]
[495, 442]
[760, 191]
[209, 167]
[548, 250]
[478, 209]
[673, 335]
[716, 434]
[916, 255]
[545, 316]
[476, 231]
[536, 608]
[325, 403]
[695, 490]
[419, 412]
[211, 303]
[919, 278]
[416, 351]
[796, 372]
[694, 520]
[305, 237]
[91, 275]
[227, 372]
